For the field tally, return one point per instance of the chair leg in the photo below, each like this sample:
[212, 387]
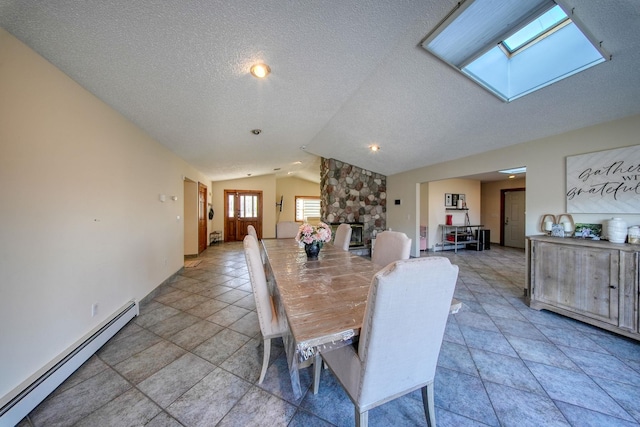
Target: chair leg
[362, 418]
[429, 405]
[317, 366]
[265, 358]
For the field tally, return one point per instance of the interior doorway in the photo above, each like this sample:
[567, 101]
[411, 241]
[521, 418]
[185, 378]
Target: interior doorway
[241, 209]
[202, 217]
[513, 217]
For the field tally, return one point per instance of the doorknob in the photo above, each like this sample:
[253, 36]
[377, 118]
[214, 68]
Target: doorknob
[506, 221]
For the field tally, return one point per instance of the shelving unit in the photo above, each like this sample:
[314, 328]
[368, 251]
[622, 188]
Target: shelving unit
[215, 237]
[455, 235]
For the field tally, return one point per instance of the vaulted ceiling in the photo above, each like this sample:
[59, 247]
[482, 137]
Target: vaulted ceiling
[345, 74]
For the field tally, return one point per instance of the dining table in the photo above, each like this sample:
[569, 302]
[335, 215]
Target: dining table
[320, 303]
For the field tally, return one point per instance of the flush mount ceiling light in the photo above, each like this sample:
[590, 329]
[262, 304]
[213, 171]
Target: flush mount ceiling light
[260, 70]
[374, 147]
[513, 47]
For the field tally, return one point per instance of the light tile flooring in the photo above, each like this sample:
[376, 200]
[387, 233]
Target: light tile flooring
[193, 358]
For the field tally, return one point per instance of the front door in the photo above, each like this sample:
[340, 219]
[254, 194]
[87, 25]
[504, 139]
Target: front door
[242, 208]
[514, 218]
[202, 217]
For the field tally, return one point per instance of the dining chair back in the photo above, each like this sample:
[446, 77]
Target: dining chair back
[391, 246]
[252, 231]
[265, 308]
[287, 229]
[403, 327]
[342, 237]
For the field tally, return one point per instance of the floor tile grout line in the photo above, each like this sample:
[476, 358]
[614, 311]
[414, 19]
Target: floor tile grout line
[505, 289]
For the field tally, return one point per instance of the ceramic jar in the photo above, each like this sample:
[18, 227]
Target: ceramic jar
[616, 230]
[634, 235]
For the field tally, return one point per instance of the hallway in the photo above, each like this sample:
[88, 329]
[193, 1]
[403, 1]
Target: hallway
[193, 358]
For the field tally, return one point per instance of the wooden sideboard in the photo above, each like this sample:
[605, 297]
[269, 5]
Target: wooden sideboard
[593, 281]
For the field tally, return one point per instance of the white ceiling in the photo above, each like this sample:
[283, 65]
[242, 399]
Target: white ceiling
[345, 74]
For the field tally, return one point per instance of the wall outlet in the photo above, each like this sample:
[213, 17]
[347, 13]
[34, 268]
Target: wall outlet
[94, 309]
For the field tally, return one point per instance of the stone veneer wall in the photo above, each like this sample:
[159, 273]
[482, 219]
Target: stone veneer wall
[352, 194]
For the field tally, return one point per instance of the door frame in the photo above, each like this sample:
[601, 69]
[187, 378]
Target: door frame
[502, 198]
[258, 224]
[202, 217]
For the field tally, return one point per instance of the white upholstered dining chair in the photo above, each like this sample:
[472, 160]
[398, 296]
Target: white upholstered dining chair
[287, 229]
[343, 237]
[401, 335]
[391, 246]
[267, 314]
[252, 231]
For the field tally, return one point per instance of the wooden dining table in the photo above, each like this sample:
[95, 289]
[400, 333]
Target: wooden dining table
[320, 303]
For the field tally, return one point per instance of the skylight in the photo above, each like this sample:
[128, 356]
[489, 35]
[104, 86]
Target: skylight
[513, 47]
[521, 169]
[535, 29]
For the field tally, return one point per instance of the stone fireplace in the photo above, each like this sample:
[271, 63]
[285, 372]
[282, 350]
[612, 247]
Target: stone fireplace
[353, 195]
[357, 233]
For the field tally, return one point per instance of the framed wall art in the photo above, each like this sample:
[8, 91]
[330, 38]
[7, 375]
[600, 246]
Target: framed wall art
[448, 197]
[451, 200]
[604, 181]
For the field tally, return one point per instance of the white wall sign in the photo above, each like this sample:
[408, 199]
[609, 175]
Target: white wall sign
[604, 182]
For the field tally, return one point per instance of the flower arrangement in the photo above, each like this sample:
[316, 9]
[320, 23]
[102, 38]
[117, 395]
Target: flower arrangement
[308, 234]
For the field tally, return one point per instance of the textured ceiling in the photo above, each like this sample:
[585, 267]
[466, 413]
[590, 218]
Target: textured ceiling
[345, 74]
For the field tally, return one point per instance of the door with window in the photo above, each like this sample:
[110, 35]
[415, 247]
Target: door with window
[242, 208]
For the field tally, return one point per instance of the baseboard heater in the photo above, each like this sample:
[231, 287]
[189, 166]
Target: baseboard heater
[33, 394]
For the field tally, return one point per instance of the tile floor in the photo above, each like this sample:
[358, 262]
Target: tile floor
[193, 358]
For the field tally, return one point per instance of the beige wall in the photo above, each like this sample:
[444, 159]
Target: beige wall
[490, 211]
[289, 188]
[437, 211]
[272, 189]
[264, 183]
[424, 205]
[546, 175]
[81, 218]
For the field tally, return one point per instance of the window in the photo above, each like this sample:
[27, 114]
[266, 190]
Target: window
[513, 47]
[248, 206]
[307, 207]
[536, 29]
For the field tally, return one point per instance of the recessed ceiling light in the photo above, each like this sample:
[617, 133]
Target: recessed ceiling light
[511, 176]
[260, 70]
[374, 147]
[297, 163]
[256, 131]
